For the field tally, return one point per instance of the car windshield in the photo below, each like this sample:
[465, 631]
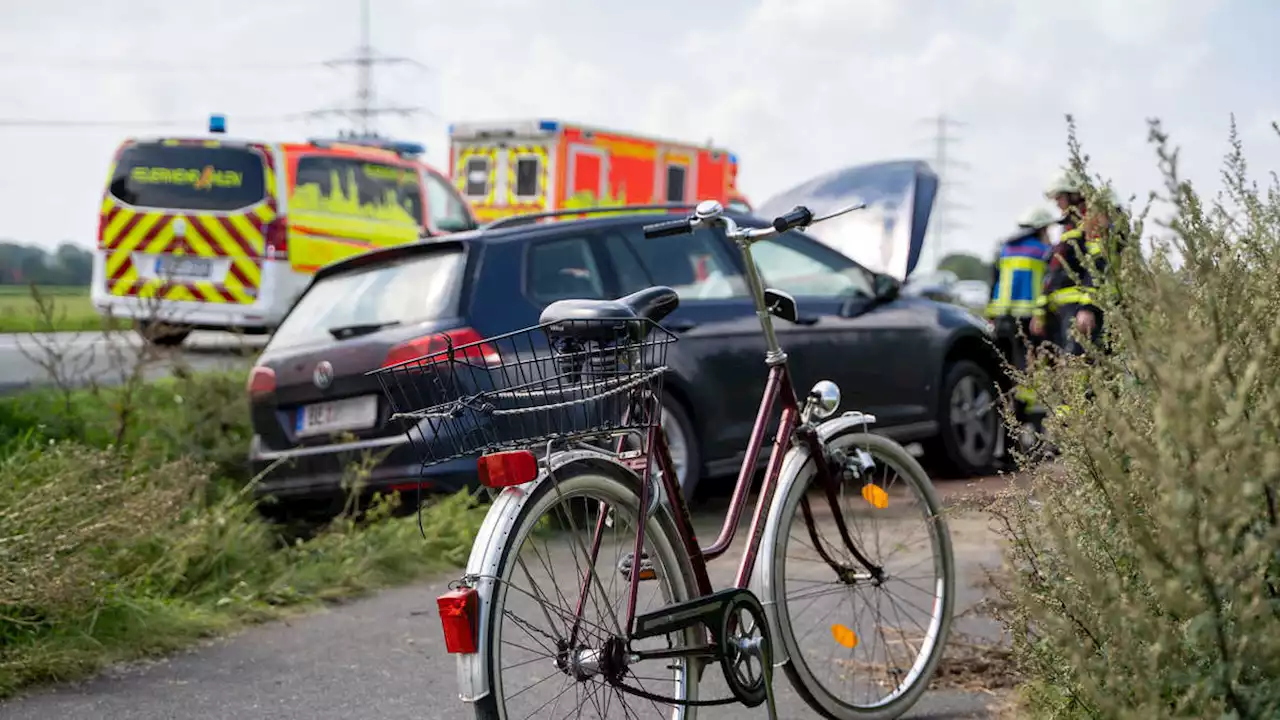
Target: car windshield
[422, 287]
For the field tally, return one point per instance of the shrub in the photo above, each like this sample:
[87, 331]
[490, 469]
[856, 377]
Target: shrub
[106, 555]
[1144, 577]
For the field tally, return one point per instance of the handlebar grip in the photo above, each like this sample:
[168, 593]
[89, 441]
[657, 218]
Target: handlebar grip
[799, 217]
[669, 228]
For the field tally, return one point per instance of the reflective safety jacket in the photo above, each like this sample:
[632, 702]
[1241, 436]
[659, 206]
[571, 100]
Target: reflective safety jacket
[1018, 271]
[1073, 272]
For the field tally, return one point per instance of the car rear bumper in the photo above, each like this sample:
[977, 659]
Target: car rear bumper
[319, 472]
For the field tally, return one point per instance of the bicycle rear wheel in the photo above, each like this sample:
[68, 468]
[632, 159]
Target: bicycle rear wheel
[830, 648]
[539, 665]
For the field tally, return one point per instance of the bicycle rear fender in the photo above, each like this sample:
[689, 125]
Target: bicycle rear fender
[486, 556]
[762, 580]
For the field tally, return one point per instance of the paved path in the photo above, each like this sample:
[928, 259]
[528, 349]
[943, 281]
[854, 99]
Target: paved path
[99, 356]
[383, 658]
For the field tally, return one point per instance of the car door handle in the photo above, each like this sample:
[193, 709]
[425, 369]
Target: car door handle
[680, 325]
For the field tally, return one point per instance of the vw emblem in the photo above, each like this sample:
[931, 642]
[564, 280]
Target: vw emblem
[323, 375]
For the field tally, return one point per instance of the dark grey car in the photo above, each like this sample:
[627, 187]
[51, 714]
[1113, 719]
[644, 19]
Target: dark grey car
[923, 368]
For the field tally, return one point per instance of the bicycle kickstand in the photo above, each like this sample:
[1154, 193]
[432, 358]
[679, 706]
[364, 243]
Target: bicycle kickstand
[768, 689]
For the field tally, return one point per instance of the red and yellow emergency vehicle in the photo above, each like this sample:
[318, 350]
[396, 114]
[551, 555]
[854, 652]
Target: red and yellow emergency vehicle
[512, 168]
[217, 233]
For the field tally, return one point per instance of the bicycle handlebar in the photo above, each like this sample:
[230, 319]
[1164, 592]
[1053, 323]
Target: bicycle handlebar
[711, 214]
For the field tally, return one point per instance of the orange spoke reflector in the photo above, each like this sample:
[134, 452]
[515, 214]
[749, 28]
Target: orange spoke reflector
[844, 636]
[875, 495]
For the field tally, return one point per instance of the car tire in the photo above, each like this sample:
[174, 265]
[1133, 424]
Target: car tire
[162, 335]
[969, 422]
[682, 439]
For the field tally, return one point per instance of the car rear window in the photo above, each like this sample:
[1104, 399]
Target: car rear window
[188, 177]
[402, 292]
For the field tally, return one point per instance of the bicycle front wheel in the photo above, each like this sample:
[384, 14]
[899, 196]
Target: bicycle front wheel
[846, 665]
[558, 642]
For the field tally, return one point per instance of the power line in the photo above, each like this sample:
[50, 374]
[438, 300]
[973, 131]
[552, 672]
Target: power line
[365, 111]
[82, 64]
[942, 220]
[172, 122]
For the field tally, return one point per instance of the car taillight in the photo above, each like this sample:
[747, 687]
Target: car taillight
[420, 347]
[262, 381]
[458, 619]
[507, 469]
[277, 236]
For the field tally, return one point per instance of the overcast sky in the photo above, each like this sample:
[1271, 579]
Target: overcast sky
[795, 87]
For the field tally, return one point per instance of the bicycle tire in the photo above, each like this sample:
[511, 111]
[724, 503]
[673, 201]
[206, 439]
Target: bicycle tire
[576, 480]
[796, 667]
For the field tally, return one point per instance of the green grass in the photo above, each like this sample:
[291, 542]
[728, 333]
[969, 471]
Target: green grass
[71, 310]
[129, 530]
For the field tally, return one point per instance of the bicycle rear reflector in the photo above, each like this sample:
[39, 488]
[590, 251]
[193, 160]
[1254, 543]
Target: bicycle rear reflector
[507, 469]
[458, 619]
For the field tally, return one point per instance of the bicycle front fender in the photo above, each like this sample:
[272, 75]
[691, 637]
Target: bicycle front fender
[485, 562]
[763, 584]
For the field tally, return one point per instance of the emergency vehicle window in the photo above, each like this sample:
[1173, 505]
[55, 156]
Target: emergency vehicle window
[675, 183]
[188, 177]
[528, 172]
[563, 269]
[696, 266]
[447, 211]
[477, 184]
[354, 186]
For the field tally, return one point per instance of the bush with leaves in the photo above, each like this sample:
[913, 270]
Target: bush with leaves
[1144, 568]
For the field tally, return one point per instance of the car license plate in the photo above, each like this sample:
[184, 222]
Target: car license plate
[188, 267]
[358, 413]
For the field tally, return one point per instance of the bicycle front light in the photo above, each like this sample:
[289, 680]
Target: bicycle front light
[824, 399]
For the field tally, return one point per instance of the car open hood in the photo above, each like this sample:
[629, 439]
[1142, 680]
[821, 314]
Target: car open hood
[888, 235]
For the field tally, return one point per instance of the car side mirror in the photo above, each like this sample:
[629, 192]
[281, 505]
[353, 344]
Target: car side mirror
[886, 287]
[781, 304]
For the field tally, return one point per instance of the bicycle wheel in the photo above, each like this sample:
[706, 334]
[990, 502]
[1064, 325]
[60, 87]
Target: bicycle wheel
[540, 666]
[828, 649]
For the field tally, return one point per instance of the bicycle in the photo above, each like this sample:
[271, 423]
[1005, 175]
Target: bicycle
[566, 413]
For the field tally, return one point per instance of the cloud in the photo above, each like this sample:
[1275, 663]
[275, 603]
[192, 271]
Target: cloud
[794, 87]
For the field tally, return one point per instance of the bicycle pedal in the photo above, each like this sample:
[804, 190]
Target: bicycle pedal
[646, 566]
[708, 611]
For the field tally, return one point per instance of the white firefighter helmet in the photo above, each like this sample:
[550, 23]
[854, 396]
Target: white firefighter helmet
[1066, 181]
[1037, 218]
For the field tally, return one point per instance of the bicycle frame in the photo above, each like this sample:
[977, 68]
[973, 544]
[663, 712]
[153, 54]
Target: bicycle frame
[779, 389]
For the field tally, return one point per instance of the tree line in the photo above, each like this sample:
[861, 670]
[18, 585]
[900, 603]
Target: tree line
[68, 265]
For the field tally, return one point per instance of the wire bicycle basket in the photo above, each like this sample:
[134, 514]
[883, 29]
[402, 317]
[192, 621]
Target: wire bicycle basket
[565, 380]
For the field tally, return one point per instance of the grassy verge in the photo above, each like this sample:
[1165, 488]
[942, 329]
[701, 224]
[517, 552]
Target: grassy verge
[70, 310]
[127, 529]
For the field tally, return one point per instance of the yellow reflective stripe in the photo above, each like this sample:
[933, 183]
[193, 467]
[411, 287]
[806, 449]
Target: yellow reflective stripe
[1069, 296]
[1094, 247]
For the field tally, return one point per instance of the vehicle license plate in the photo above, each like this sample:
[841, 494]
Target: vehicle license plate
[358, 413]
[178, 266]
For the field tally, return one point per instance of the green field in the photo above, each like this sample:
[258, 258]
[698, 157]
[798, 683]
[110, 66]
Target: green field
[71, 310]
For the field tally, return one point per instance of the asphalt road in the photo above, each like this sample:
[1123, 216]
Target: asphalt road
[383, 657]
[101, 357]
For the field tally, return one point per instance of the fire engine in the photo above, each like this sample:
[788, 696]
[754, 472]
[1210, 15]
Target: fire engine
[529, 166]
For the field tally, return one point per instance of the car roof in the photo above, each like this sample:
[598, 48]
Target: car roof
[524, 231]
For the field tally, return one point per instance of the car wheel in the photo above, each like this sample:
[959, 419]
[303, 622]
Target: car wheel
[162, 335]
[969, 419]
[682, 441]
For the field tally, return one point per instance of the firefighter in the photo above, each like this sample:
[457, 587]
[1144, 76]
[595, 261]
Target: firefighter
[1016, 278]
[1066, 298]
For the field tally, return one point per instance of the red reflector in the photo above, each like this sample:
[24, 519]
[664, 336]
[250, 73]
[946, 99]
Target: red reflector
[458, 619]
[507, 469]
[277, 237]
[262, 381]
[467, 343]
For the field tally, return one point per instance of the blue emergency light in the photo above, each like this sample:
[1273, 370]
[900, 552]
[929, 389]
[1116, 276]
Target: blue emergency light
[217, 123]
